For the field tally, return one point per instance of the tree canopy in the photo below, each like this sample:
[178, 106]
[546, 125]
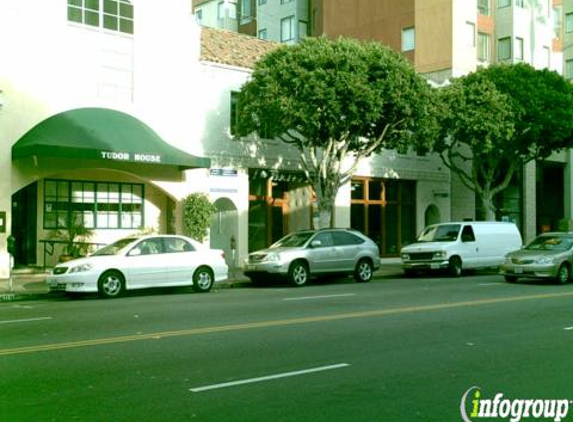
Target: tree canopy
[337, 101]
[498, 118]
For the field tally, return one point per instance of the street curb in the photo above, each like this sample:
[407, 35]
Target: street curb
[42, 292]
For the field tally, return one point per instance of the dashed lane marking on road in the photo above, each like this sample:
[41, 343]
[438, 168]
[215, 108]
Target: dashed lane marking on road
[13, 321]
[489, 284]
[376, 313]
[268, 378]
[568, 328]
[318, 297]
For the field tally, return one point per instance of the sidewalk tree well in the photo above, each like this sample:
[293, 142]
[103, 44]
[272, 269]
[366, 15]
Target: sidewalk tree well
[336, 102]
[497, 119]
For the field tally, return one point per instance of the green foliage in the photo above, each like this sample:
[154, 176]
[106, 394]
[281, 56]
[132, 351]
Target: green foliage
[337, 89]
[497, 119]
[337, 101]
[76, 235]
[197, 212]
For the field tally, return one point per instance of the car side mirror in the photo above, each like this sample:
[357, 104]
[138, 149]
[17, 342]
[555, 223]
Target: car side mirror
[315, 244]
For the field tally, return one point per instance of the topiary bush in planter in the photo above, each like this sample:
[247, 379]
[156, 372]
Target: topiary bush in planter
[197, 212]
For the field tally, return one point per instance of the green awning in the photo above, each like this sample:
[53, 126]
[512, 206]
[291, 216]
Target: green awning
[104, 135]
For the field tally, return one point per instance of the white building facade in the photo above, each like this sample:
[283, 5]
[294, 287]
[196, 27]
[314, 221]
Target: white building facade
[101, 122]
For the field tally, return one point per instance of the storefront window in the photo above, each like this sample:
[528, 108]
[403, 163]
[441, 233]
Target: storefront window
[385, 211]
[102, 205]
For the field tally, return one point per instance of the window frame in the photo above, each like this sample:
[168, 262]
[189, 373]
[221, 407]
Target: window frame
[68, 208]
[484, 7]
[484, 51]
[99, 14]
[519, 47]
[503, 3]
[292, 28]
[408, 39]
[509, 48]
[569, 23]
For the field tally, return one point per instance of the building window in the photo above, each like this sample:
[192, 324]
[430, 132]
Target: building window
[408, 39]
[518, 48]
[263, 34]
[199, 15]
[557, 21]
[113, 15]
[504, 49]
[504, 3]
[569, 69]
[234, 113]
[384, 210]
[286, 1]
[569, 22]
[98, 205]
[302, 29]
[520, 3]
[287, 29]
[483, 7]
[261, 2]
[483, 50]
[471, 34]
[246, 12]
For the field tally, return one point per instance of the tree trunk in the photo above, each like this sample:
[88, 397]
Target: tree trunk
[488, 206]
[325, 197]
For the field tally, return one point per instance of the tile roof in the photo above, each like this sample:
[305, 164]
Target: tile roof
[232, 48]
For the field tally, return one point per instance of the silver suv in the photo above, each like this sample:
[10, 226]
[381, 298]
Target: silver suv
[305, 254]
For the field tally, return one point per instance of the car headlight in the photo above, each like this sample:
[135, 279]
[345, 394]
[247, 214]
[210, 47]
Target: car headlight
[272, 257]
[405, 256]
[81, 268]
[546, 260]
[440, 255]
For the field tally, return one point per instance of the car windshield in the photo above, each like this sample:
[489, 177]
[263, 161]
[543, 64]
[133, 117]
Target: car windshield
[293, 240]
[441, 233]
[115, 247]
[551, 243]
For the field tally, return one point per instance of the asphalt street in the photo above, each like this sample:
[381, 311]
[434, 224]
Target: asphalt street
[396, 349]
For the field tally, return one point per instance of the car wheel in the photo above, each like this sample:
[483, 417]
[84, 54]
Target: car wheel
[455, 266]
[510, 278]
[202, 280]
[298, 273]
[563, 274]
[111, 284]
[363, 271]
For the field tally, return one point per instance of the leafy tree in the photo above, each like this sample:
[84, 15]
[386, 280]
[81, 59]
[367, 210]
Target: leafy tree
[499, 118]
[197, 212]
[336, 101]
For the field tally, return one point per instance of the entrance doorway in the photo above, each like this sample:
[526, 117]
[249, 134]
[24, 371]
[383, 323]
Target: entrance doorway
[24, 225]
[384, 210]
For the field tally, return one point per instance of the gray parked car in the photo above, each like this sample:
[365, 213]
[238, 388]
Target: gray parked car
[549, 256]
[309, 253]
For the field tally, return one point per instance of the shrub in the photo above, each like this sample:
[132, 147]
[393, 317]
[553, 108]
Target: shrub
[197, 212]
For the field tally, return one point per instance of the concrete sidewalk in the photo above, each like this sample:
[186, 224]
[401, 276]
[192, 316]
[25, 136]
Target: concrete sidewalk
[29, 285]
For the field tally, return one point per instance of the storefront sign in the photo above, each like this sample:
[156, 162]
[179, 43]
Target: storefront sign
[127, 156]
[223, 172]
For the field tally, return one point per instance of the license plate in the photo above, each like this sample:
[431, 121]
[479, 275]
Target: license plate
[518, 270]
[435, 266]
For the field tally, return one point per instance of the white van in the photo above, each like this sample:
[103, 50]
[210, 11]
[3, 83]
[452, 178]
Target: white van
[460, 246]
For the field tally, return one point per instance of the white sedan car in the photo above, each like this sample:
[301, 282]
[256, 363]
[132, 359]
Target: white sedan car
[140, 262]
